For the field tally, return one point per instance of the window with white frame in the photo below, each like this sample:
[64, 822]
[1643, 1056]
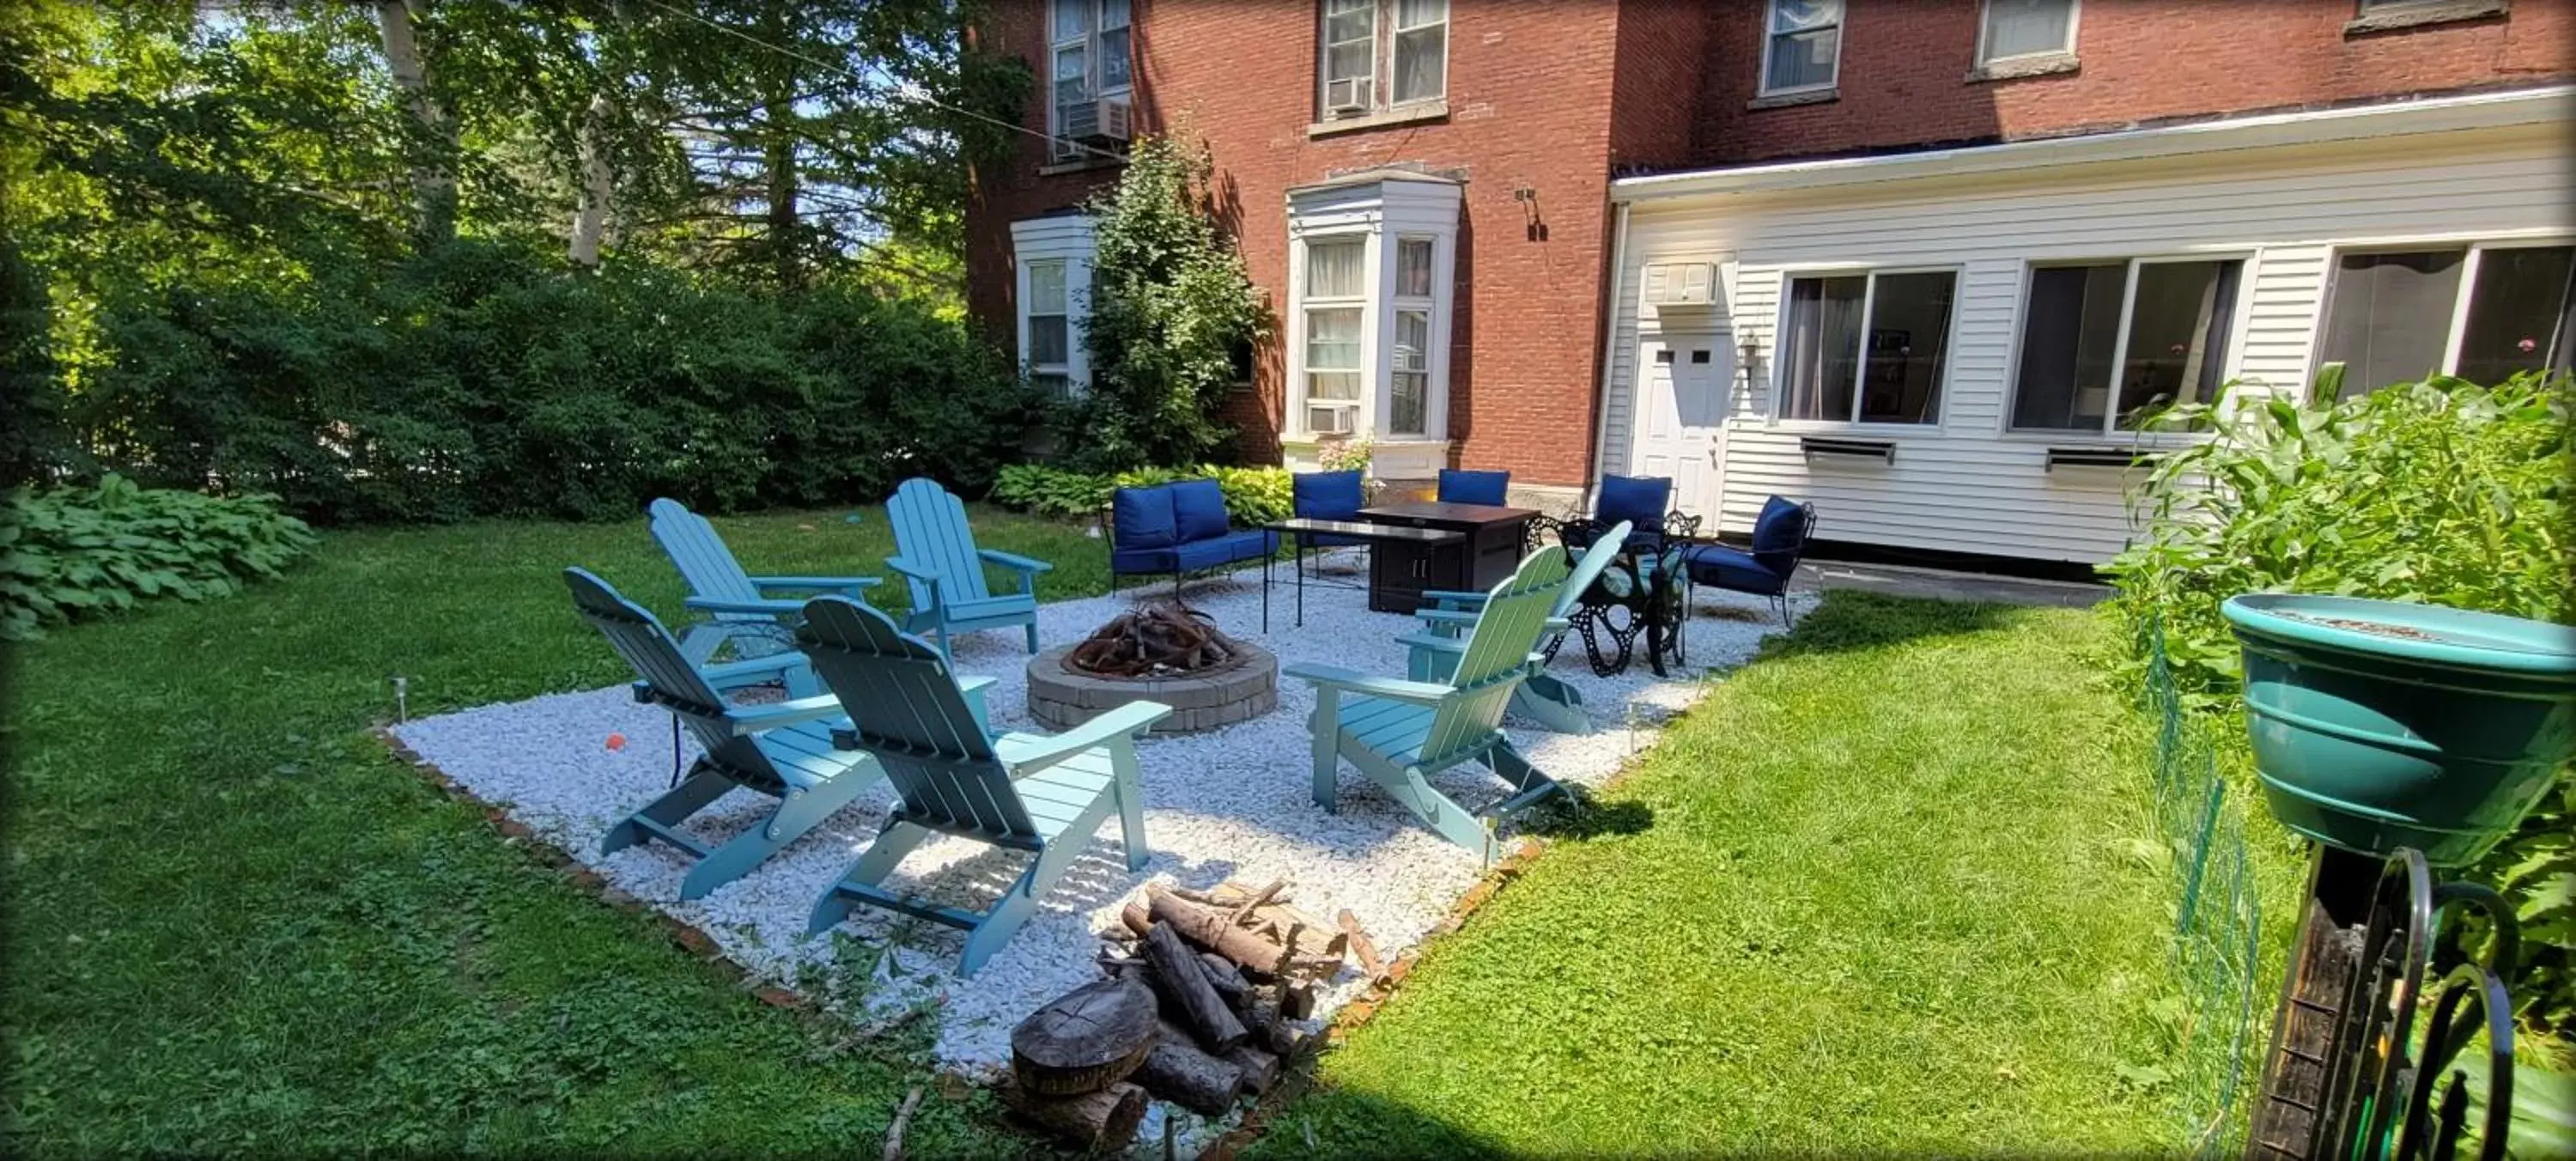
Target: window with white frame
[1335, 306]
[1047, 318]
[1377, 55]
[1090, 59]
[2103, 344]
[1802, 47]
[2484, 313]
[1865, 346]
[1051, 260]
[2026, 28]
[1409, 393]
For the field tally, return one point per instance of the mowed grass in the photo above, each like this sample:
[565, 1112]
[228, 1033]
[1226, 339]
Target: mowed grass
[1879, 893]
[236, 925]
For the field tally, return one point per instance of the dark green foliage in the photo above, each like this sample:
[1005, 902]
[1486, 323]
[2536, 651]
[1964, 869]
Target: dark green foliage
[1253, 496]
[68, 553]
[1170, 302]
[483, 381]
[2442, 491]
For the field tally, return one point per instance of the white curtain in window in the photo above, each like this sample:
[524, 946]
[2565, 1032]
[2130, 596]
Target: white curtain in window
[1421, 49]
[1072, 18]
[1820, 352]
[1333, 353]
[1805, 36]
[1413, 267]
[1350, 52]
[1113, 45]
[1336, 269]
[2028, 27]
[1412, 386]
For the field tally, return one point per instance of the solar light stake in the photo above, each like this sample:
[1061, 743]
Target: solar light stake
[402, 700]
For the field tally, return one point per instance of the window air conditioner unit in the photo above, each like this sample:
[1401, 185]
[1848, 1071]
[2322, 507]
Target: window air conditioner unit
[1347, 97]
[1081, 120]
[1113, 119]
[1681, 285]
[1330, 420]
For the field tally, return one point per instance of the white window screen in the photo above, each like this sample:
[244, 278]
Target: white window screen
[1421, 49]
[2391, 316]
[1412, 387]
[1805, 37]
[1350, 54]
[1336, 269]
[2028, 27]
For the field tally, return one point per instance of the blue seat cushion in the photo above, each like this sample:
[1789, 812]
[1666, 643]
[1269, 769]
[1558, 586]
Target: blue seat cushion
[1226, 549]
[1327, 495]
[1459, 486]
[1640, 500]
[1142, 518]
[1198, 510]
[1732, 569]
[1130, 561]
[1780, 533]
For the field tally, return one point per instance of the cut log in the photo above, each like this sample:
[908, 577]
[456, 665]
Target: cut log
[1260, 1068]
[1361, 945]
[1137, 918]
[1252, 950]
[1288, 1040]
[1085, 1039]
[1226, 978]
[1185, 980]
[1235, 918]
[1092, 1120]
[1298, 1003]
[1276, 916]
[1177, 1071]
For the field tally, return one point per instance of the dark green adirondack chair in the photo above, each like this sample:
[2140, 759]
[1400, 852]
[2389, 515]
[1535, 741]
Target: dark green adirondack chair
[1542, 698]
[737, 605]
[1042, 795]
[1398, 732]
[783, 750]
[945, 570]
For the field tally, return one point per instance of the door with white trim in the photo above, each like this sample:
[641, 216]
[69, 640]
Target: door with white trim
[1681, 416]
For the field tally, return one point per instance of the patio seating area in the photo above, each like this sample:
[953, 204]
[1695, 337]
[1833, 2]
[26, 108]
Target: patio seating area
[1238, 802]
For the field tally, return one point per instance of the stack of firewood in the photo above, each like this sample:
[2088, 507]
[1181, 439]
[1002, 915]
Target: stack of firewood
[1200, 1008]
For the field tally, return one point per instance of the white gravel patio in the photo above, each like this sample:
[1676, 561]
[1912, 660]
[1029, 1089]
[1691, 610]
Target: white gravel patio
[1228, 804]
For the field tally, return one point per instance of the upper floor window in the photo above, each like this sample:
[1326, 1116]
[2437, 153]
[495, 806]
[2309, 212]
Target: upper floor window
[1869, 346]
[2026, 28]
[2483, 313]
[1380, 54]
[1803, 46]
[1090, 60]
[2106, 342]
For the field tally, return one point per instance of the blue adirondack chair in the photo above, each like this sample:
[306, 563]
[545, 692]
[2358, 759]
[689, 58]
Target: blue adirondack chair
[783, 749]
[1543, 698]
[1043, 795]
[737, 605]
[939, 560]
[1399, 732]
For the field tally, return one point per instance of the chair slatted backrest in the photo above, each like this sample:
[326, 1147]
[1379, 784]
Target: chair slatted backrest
[700, 555]
[930, 531]
[1497, 656]
[669, 680]
[907, 711]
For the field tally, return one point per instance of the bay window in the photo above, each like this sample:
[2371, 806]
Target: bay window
[1802, 48]
[2483, 313]
[1377, 55]
[1053, 290]
[1371, 286]
[2105, 343]
[1867, 347]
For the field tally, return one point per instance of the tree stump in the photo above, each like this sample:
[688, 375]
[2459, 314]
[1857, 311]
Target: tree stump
[1085, 1039]
[1105, 1119]
[1177, 1071]
[1185, 980]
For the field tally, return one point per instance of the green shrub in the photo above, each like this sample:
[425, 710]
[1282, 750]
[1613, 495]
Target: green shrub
[2441, 491]
[1051, 491]
[1253, 496]
[68, 553]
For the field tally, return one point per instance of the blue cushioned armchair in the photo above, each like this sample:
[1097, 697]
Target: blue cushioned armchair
[1464, 487]
[1779, 539]
[1176, 528]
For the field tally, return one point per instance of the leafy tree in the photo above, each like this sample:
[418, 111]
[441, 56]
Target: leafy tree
[1170, 304]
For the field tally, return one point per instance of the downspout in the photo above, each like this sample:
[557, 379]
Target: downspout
[1609, 351]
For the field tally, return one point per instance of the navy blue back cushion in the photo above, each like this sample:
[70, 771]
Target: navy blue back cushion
[1327, 495]
[1458, 486]
[1198, 509]
[1780, 532]
[1142, 518]
[1640, 500]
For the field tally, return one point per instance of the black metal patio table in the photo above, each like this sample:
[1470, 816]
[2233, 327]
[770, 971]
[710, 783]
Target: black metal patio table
[1421, 541]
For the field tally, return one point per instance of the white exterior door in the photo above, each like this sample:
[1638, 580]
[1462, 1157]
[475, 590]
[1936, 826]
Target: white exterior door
[1681, 414]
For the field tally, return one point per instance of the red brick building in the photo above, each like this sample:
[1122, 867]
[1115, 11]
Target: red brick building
[1436, 199]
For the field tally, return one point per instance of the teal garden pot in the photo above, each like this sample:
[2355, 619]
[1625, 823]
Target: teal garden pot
[2384, 724]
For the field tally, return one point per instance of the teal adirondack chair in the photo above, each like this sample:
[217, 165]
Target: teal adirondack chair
[938, 558]
[1542, 698]
[1399, 732]
[1043, 795]
[783, 749]
[737, 605]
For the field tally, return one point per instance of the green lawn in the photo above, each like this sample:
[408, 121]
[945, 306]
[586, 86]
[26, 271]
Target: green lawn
[236, 925]
[1879, 893]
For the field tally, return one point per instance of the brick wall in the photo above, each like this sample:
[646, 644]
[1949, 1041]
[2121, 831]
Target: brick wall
[1903, 79]
[1529, 96]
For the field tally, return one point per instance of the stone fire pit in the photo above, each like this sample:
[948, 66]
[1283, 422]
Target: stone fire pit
[1157, 654]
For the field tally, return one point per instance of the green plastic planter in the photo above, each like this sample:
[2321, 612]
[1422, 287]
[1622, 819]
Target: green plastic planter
[2382, 724]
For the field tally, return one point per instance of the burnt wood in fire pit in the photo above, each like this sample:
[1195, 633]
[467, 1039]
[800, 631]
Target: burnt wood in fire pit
[1155, 641]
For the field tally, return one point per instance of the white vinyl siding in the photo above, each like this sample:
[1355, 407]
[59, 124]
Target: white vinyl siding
[1968, 484]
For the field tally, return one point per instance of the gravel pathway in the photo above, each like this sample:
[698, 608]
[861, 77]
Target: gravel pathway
[1228, 804]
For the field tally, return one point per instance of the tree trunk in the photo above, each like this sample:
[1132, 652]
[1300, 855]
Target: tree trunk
[779, 178]
[433, 184]
[1085, 1039]
[598, 185]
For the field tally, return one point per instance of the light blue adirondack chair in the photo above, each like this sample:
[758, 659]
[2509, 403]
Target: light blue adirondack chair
[938, 558]
[1400, 732]
[1543, 698]
[1042, 795]
[737, 605]
[783, 749]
